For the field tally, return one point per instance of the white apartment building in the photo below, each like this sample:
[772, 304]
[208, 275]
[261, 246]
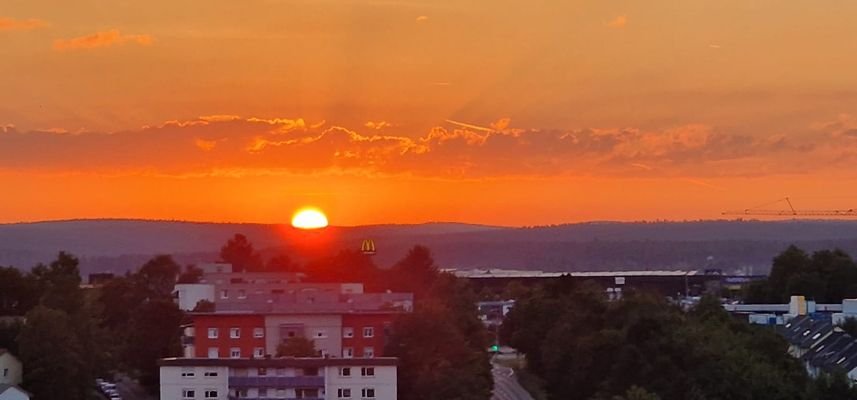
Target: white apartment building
[278, 378]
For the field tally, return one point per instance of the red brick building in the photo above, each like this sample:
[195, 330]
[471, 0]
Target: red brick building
[238, 336]
[365, 334]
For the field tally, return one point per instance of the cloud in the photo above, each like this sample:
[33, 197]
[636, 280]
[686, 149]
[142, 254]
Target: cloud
[101, 39]
[217, 143]
[11, 24]
[422, 18]
[378, 125]
[618, 22]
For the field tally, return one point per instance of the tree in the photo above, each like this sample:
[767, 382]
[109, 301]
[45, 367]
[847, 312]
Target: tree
[51, 355]
[154, 333]
[239, 252]
[18, 292]
[9, 331]
[297, 347]
[435, 360]
[204, 306]
[157, 277]
[59, 283]
[282, 263]
[345, 266]
[191, 274]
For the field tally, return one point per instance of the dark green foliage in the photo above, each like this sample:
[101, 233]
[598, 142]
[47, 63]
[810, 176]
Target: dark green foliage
[441, 345]
[239, 252]
[59, 283]
[154, 333]
[828, 276]
[282, 263]
[204, 306]
[832, 387]
[18, 292]
[51, 353]
[157, 277]
[9, 331]
[297, 347]
[584, 347]
[191, 274]
[345, 266]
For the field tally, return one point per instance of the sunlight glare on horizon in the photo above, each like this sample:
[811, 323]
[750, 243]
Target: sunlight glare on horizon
[309, 218]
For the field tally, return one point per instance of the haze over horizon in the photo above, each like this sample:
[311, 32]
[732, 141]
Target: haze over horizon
[411, 111]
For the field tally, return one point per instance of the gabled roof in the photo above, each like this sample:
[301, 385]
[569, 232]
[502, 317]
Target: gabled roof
[814, 333]
[4, 387]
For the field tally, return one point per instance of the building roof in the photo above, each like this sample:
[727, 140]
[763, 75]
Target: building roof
[283, 362]
[509, 273]
[4, 387]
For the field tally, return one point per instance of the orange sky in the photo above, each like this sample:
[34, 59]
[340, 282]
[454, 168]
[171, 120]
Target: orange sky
[500, 112]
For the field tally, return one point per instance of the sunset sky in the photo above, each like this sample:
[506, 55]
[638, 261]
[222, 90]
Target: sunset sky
[385, 111]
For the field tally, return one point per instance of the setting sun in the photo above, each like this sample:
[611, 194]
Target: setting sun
[309, 218]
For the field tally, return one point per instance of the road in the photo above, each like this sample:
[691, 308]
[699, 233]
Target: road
[506, 386]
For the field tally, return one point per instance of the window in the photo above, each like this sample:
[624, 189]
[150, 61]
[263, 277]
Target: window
[210, 374]
[242, 294]
[344, 371]
[235, 352]
[258, 333]
[259, 352]
[816, 336]
[368, 393]
[213, 333]
[224, 294]
[343, 393]
[368, 332]
[186, 373]
[188, 393]
[320, 334]
[213, 352]
[235, 333]
[367, 371]
[210, 394]
[806, 333]
[5, 371]
[262, 372]
[263, 392]
[841, 360]
[347, 352]
[281, 393]
[310, 372]
[242, 393]
[348, 332]
[368, 352]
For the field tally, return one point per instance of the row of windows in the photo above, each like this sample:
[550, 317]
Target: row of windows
[192, 374]
[191, 394]
[348, 352]
[345, 393]
[235, 352]
[258, 333]
[235, 333]
[300, 393]
[364, 371]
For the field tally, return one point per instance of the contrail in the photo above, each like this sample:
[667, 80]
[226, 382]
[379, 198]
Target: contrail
[471, 126]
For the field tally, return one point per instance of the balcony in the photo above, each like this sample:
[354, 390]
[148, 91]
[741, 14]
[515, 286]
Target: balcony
[308, 382]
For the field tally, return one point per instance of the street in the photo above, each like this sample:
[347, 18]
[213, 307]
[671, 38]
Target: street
[506, 385]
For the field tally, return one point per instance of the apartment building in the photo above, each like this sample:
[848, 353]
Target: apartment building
[278, 378]
[252, 335]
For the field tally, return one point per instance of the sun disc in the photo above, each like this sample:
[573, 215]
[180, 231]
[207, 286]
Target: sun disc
[309, 218]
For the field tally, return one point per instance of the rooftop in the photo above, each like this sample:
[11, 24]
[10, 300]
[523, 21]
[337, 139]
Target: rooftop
[283, 362]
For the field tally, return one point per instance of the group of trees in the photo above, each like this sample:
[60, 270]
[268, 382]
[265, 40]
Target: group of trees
[69, 335]
[642, 347]
[827, 276]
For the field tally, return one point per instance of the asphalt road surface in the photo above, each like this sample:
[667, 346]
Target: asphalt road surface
[506, 386]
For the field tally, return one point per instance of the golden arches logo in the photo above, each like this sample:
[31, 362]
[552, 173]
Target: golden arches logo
[368, 247]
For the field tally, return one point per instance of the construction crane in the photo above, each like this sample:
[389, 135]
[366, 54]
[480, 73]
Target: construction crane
[791, 211]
